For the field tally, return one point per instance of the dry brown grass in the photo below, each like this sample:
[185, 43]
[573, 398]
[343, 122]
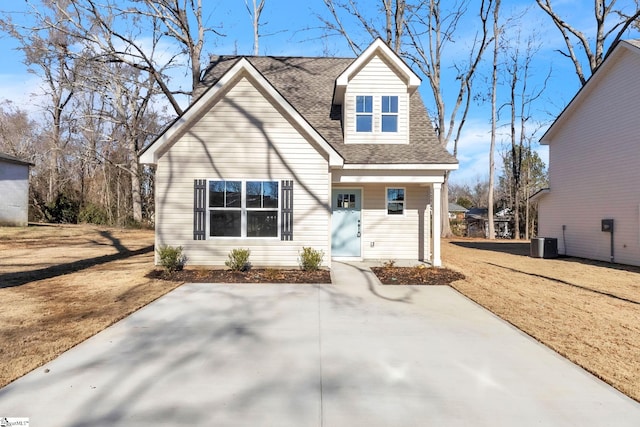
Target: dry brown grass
[59, 285]
[587, 311]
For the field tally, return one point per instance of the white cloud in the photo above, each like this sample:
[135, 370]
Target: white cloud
[22, 90]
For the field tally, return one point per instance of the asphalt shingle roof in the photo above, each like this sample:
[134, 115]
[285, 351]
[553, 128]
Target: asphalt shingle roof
[13, 159]
[308, 84]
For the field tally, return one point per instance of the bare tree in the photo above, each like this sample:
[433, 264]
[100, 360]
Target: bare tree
[611, 25]
[395, 22]
[48, 54]
[494, 117]
[431, 28]
[114, 31]
[391, 30]
[18, 132]
[255, 12]
[184, 23]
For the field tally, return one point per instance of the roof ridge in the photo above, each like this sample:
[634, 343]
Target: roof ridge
[232, 56]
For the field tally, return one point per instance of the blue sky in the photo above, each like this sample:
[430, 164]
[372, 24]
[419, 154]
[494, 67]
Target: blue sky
[292, 28]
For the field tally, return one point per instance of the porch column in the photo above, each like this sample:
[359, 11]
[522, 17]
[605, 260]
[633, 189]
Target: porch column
[435, 240]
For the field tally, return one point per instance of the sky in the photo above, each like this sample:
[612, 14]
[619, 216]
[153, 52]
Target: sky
[294, 29]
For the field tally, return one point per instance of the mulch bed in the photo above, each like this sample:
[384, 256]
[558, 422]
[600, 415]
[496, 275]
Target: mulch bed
[254, 275]
[416, 275]
[386, 275]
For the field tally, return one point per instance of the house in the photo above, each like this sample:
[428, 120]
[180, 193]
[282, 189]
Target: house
[456, 212]
[594, 152]
[14, 189]
[477, 220]
[281, 153]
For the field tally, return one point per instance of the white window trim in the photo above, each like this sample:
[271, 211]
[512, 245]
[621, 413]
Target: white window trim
[243, 210]
[386, 202]
[376, 114]
[371, 114]
[390, 114]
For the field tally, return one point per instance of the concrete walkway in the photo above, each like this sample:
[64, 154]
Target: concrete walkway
[352, 354]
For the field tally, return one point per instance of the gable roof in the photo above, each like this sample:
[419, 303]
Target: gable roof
[307, 83]
[378, 47]
[620, 48]
[454, 207]
[15, 160]
[240, 68]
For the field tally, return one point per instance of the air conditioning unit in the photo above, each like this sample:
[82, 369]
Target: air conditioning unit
[544, 247]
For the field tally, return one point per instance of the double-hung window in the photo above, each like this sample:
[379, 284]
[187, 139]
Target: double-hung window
[395, 201]
[364, 113]
[262, 209]
[389, 114]
[225, 208]
[243, 208]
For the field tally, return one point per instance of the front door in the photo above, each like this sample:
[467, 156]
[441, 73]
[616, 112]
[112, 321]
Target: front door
[346, 226]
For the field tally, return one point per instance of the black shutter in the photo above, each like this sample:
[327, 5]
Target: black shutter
[286, 232]
[199, 209]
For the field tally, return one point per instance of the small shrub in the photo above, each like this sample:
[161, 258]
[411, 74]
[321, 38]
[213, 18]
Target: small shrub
[64, 210]
[171, 258]
[389, 264]
[93, 214]
[238, 260]
[310, 259]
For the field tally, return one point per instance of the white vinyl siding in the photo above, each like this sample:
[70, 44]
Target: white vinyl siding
[14, 188]
[593, 170]
[395, 236]
[377, 79]
[242, 138]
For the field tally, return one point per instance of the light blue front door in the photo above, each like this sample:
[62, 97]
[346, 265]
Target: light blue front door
[345, 223]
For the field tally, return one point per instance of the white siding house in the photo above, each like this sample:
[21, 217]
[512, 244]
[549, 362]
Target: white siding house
[280, 153]
[594, 153]
[14, 191]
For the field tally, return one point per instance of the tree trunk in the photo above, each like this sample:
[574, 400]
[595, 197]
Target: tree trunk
[136, 199]
[494, 118]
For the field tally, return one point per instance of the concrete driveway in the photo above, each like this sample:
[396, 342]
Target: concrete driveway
[351, 354]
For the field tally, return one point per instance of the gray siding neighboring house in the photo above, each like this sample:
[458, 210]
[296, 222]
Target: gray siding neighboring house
[14, 191]
[594, 153]
[456, 211]
[279, 153]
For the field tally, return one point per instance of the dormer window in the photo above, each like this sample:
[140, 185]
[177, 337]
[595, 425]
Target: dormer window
[389, 114]
[364, 113]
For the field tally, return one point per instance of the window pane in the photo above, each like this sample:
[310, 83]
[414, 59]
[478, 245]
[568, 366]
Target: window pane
[216, 194]
[364, 123]
[395, 201]
[270, 194]
[254, 194]
[389, 123]
[224, 223]
[395, 194]
[389, 104]
[234, 194]
[262, 223]
[395, 208]
[262, 194]
[364, 104]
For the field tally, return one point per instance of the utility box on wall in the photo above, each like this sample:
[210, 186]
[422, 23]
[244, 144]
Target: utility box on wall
[607, 225]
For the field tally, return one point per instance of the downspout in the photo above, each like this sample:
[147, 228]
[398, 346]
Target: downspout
[612, 257]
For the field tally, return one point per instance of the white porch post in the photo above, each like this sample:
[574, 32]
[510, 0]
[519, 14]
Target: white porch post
[435, 240]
